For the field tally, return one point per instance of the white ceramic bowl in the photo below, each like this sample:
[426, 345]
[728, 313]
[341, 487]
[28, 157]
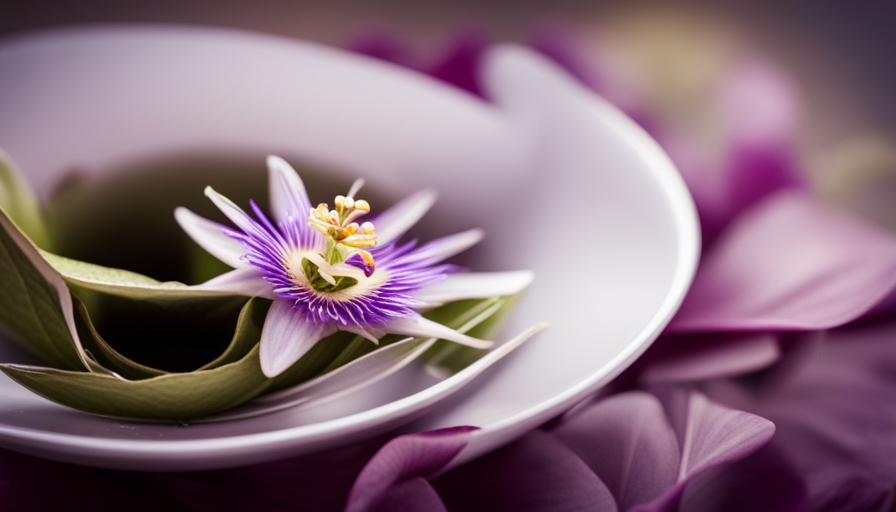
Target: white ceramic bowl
[561, 181]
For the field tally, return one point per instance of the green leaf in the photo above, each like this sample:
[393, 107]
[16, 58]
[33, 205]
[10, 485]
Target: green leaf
[102, 353]
[240, 345]
[129, 285]
[19, 203]
[185, 396]
[171, 397]
[35, 305]
[178, 396]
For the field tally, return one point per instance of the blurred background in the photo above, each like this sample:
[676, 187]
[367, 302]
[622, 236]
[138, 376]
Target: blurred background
[837, 58]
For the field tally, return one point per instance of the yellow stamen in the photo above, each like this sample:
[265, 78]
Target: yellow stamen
[339, 226]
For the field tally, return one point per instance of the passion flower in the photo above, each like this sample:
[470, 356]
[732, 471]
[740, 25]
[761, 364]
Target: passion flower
[326, 272]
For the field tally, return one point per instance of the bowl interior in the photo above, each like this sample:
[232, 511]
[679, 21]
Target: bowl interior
[562, 183]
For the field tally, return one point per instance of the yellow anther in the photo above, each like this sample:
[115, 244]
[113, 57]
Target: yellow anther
[344, 235]
[360, 241]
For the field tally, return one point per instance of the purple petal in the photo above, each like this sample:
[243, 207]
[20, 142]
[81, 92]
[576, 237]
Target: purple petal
[538, 473]
[835, 417]
[628, 443]
[411, 495]
[764, 481]
[789, 264]
[405, 459]
[287, 192]
[700, 357]
[711, 436]
[286, 336]
[717, 435]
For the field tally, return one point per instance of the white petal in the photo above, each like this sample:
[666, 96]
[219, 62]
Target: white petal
[287, 336]
[210, 236]
[235, 214]
[422, 328]
[447, 246]
[287, 192]
[395, 221]
[373, 335]
[476, 285]
[244, 281]
[434, 369]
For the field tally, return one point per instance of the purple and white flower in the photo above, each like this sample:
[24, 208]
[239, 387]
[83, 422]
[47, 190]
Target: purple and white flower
[325, 272]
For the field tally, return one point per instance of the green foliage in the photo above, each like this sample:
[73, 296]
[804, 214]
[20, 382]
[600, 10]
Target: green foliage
[30, 306]
[19, 203]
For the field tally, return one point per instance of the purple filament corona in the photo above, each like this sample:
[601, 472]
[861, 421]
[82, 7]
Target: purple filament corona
[406, 267]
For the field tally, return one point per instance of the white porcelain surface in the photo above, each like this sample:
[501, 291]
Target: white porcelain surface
[545, 154]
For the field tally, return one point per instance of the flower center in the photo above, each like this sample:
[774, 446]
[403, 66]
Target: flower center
[346, 240]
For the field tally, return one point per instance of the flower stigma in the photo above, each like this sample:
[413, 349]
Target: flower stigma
[346, 244]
